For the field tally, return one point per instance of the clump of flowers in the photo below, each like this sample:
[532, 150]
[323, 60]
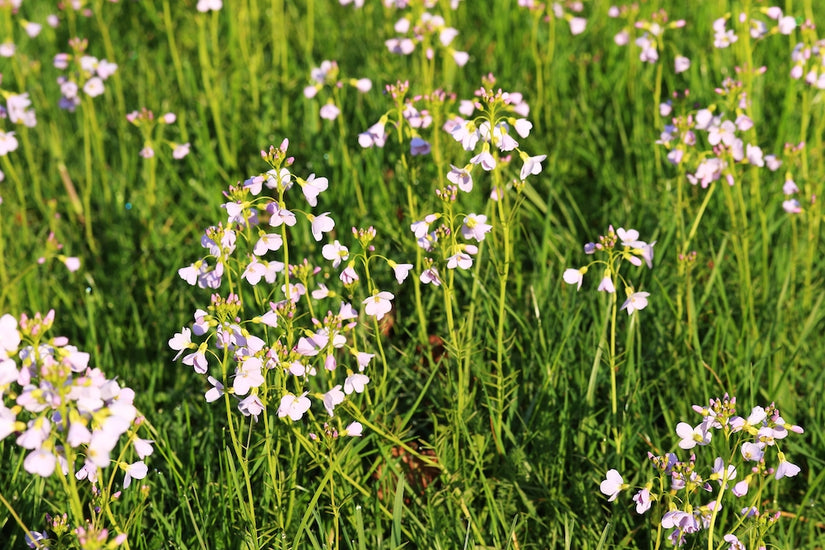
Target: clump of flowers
[408, 117]
[567, 11]
[694, 491]
[147, 123]
[488, 126]
[70, 419]
[17, 111]
[808, 58]
[616, 247]
[651, 41]
[278, 337]
[84, 73]
[725, 148]
[327, 76]
[424, 30]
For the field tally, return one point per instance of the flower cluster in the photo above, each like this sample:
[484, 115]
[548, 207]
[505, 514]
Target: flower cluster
[146, 121]
[327, 75]
[558, 11]
[263, 343]
[65, 414]
[808, 58]
[409, 116]
[86, 73]
[758, 29]
[427, 31]
[726, 147]
[442, 239]
[651, 40]
[490, 123]
[752, 458]
[631, 249]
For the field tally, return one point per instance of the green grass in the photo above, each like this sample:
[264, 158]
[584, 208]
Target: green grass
[500, 437]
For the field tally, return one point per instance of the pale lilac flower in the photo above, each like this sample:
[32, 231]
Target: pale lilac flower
[419, 146]
[741, 488]
[622, 38]
[294, 406]
[94, 87]
[374, 136]
[136, 470]
[786, 25]
[485, 160]
[349, 275]
[181, 341]
[321, 224]
[735, 543]
[692, 436]
[355, 429]
[790, 187]
[751, 451]
[378, 305]
[642, 500]
[461, 260]
[573, 277]
[355, 383]
[267, 242]
[401, 270]
[475, 227]
[329, 111]
[8, 143]
[332, 398]
[430, 276]
[532, 165]
[636, 301]
[363, 85]
[209, 5]
[105, 69]
[335, 252]
[180, 150]
[7, 49]
[792, 206]
[681, 64]
[313, 187]
[282, 216]
[252, 406]
[40, 462]
[606, 285]
[460, 58]
[785, 468]
[32, 29]
[577, 25]
[612, 485]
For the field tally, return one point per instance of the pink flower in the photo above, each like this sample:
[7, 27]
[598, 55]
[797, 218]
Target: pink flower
[313, 187]
[294, 406]
[378, 305]
[209, 5]
[321, 224]
[573, 277]
[682, 64]
[374, 136]
[612, 485]
[355, 429]
[329, 111]
[355, 383]
[532, 165]
[636, 301]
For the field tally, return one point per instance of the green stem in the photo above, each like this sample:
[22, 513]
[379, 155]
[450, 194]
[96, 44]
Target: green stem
[19, 521]
[213, 98]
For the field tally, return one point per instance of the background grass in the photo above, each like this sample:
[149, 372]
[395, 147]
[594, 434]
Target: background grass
[235, 79]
